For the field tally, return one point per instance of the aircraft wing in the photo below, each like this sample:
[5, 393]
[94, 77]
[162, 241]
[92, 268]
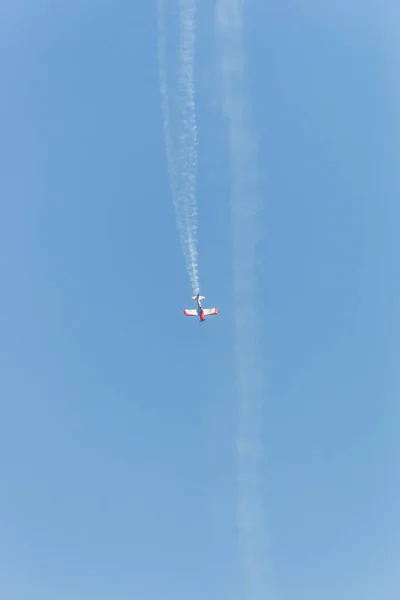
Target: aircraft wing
[190, 313]
[208, 312]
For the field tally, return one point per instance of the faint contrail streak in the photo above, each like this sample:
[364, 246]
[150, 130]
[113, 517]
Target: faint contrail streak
[182, 162]
[246, 204]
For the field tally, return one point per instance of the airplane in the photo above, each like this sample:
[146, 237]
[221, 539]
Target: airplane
[202, 312]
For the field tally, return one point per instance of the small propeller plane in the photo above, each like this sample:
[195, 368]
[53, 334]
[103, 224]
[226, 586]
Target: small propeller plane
[202, 312]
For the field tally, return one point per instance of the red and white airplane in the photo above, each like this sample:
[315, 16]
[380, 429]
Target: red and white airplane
[202, 312]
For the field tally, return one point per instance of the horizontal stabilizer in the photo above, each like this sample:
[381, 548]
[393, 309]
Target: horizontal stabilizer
[200, 297]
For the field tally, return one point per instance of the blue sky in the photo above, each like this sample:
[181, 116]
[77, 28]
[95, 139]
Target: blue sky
[117, 428]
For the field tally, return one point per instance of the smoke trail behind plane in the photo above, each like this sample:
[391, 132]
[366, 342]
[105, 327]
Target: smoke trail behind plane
[246, 204]
[182, 155]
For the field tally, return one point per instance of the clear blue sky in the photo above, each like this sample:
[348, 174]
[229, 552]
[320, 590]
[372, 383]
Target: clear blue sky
[117, 414]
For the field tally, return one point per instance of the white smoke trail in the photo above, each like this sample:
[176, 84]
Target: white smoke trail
[182, 164]
[246, 204]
